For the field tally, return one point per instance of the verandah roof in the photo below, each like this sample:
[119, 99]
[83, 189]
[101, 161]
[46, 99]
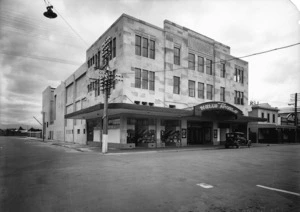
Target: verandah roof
[144, 110]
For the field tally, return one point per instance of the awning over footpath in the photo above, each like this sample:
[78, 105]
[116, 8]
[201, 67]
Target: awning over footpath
[275, 126]
[151, 111]
[124, 108]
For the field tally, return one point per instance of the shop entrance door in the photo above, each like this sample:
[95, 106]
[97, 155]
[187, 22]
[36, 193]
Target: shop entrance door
[199, 135]
[195, 135]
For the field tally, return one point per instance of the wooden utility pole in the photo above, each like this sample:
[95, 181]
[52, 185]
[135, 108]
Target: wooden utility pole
[296, 118]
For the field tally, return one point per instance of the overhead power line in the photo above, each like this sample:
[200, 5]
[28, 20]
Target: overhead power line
[37, 57]
[264, 52]
[234, 58]
[48, 2]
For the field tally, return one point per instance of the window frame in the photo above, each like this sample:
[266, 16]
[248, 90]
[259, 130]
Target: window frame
[201, 66]
[145, 79]
[176, 85]
[209, 66]
[151, 80]
[222, 94]
[145, 47]
[176, 55]
[223, 70]
[191, 61]
[114, 48]
[192, 88]
[201, 91]
[138, 45]
[138, 78]
[209, 91]
[152, 49]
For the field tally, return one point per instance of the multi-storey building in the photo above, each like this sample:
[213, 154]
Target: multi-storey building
[179, 88]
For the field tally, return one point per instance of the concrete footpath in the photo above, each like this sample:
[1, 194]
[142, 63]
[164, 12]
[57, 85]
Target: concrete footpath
[86, 148]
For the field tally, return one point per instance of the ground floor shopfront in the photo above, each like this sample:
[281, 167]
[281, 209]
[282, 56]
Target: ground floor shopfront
[271, 133]
[132, 125]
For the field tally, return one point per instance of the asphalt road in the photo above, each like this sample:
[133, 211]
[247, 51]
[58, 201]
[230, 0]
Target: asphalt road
[36, 176]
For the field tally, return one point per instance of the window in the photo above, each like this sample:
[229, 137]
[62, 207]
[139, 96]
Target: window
[176, 85]
[83, 131]
[200, 90]
[191, 64]
[151, 80]
[191, 88]
[223, 70]
[262, 115]
[138, 45]
[209, 92]
[273, 118]
[239, 98]
[222, 94]
[200, 64]
[268, 117]
[145, 79]
[97, 90]
[114, 48]
[145, 47]
[78, 131]
[209, 66]
[152, 49]
[239, 74]
[137, 78]
[99, 56]
[176, 56]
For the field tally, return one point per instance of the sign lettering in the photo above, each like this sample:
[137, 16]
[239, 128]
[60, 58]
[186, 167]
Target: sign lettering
[217, 106]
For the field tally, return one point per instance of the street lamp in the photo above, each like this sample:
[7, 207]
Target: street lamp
[49, 13]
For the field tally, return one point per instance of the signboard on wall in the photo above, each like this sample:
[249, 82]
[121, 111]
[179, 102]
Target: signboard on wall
[183, 133]
[221, 106]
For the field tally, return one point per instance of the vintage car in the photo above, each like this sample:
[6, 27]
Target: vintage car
[236, 139]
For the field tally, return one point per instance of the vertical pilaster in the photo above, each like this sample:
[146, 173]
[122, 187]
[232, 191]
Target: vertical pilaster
[123, 130]
[158, 131]
[184, 127]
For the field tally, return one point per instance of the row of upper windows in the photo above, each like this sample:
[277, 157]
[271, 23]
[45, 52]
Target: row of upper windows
[144, 47]
[238, 97]
[96, 58]
[203, 63]
[144, 79]
[201, 91]
[268, 117]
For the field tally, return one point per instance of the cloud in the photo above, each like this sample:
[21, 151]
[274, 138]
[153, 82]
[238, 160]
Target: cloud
[246, 26]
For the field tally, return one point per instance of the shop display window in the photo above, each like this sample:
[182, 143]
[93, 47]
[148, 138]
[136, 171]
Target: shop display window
[141, 131]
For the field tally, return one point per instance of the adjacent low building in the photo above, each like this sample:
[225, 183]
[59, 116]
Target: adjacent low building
[178, 88]
[278, 127]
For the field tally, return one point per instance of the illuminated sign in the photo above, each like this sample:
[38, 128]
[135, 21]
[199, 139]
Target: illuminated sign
[217, 106]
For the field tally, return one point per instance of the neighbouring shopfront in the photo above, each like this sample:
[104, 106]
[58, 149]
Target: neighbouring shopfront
[138, 125]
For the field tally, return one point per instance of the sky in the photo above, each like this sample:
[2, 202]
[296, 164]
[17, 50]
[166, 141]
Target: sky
[36, 52]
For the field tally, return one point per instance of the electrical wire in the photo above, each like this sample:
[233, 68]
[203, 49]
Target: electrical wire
[68, 24]
[37, 57]
[224, 61]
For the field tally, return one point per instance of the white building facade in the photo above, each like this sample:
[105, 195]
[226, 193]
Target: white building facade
[178, 88]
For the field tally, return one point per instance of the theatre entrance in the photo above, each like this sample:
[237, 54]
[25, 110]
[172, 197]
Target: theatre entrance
[199, 133]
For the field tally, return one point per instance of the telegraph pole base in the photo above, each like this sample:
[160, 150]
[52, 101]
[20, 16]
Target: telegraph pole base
[104, 143]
